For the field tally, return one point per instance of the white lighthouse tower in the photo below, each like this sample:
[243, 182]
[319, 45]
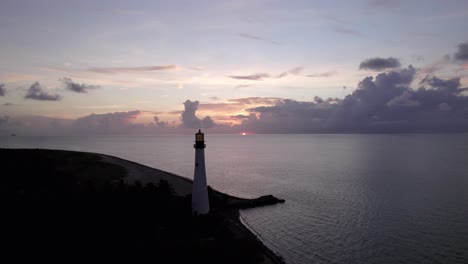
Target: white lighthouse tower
[200, 202]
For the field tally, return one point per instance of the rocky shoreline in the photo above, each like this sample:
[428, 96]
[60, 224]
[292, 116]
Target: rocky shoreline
[139, 172]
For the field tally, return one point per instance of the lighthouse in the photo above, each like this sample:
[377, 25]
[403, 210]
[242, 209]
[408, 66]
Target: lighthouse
[200, 202]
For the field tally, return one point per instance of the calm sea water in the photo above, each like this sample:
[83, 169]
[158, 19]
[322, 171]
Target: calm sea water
[349, 198]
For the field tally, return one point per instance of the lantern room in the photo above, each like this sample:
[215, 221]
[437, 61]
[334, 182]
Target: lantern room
[199, 140]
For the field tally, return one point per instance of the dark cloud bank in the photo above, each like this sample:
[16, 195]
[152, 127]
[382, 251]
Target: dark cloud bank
[384, 104]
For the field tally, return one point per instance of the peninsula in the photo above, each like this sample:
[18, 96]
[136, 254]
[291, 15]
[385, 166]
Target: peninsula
[68, 205]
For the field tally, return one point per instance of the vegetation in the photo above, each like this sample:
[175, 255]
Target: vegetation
[69, 205]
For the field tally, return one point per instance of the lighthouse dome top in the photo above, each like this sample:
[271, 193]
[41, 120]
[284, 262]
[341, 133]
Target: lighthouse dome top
[199, 136]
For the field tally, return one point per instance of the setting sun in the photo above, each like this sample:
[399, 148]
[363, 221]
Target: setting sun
[243, 133]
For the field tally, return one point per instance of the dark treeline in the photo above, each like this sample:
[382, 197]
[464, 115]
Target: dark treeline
[68, 205]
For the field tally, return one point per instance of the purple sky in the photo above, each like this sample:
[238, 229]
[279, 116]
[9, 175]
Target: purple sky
[373, 66]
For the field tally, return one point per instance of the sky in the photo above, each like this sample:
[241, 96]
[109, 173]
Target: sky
[257, 66]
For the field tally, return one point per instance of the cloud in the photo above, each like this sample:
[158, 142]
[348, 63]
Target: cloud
[242, 86]
[241, 116]
[159, 123]
[261, 76]
[296, 71]
[35, 125]
[378, 64]
[258, 38]
[346, 31]
[384, 104]
[76, 87]
[462, 52]
[255, 100]
[118, 122]
[190, 120]
[207, 122]
[220, 110]
[174, 112]
[117, 70]
[102, 106]
[323, 74]
[430, 69]
[445, 107]
[35, 92]
[433, 67]
[107, 123]
[450, 86]
[293, 71]
[2, 89]
[418, 58]
[340, 25]
[404, 100]
[252, 77]
[235, 120]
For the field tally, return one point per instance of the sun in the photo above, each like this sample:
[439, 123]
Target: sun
[243, 133]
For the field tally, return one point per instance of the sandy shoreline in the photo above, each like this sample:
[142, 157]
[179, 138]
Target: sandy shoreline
[183, 186]
[145, 174]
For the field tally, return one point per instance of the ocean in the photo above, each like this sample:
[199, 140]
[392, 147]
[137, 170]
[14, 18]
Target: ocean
[349, 198]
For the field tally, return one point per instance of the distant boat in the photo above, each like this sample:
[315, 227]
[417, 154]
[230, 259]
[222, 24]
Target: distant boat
[13, 135]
